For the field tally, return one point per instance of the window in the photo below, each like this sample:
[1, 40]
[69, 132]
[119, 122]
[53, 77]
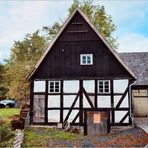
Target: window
[103, 86]
[86, 59]
[54, 86]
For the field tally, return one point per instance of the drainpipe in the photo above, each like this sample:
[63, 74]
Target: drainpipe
[130, 96]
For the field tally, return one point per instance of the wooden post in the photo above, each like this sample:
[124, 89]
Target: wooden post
[61, 102]
[31, 101]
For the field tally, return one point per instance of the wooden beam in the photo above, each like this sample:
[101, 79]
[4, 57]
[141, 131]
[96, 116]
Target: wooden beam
[122, 98]
[87, 97]
[78, 31]
[31, 100]
[122, 120]
[61, 102]
[77, 23]
[112, 99]
[96, 90]
[81, 101]
[72, 106]
[46, 102]
[76, 117]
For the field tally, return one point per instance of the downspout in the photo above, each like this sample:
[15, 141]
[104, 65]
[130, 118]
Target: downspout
[130, 97]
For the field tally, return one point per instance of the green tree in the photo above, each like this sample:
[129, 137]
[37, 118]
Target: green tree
[3, 89]
[98, 16]
[24, 55]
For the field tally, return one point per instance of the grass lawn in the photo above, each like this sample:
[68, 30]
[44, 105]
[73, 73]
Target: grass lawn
[43, 137]
[6, 134]
[47, 137]
[7, 113]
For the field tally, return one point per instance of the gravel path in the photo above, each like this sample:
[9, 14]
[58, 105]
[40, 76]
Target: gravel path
[134, 137]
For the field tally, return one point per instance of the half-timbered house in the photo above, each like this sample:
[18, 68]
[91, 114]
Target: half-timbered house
[78, 72]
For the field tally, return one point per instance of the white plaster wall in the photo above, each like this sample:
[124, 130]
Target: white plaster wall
[72, 115]
[89, 86]
[53, 101]
[119, 115]
[69, 99]
[71, 86]
[39, 86]
[53, 115]
[124, 102]
[86, 103]
[120, 85]
[104, 101]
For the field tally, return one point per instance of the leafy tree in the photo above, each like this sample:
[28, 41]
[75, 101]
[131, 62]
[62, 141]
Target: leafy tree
[24, 55]
[3, 90]
[98, 16]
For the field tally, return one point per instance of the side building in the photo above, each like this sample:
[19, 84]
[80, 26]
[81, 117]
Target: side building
[138, 62]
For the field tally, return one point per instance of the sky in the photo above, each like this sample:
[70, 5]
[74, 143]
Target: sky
[18, 18]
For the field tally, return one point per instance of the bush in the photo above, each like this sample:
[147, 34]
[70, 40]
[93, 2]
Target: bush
[5, 131]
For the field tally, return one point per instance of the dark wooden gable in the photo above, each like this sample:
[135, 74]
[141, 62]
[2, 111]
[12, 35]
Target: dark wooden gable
[63, 59]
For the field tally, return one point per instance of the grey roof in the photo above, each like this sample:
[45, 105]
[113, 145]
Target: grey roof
[138, 63]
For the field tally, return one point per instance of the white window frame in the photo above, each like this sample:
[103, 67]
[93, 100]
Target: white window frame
[54, 86]
[86, 56]
[103, 81]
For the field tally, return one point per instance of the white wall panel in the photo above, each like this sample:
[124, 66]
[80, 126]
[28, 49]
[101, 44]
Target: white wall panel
[124, 102]
[89, 86]
[104, 101]
[72, 115]
[39, 86]
[120, 85]
[86, 103]
[69, 99]
[53, 115]
[53, 100]
[71, 86]
[119, 115]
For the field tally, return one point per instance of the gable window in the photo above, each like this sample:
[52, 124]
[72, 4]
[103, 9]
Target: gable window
[86, 59]
[104, 86]
[54, 86]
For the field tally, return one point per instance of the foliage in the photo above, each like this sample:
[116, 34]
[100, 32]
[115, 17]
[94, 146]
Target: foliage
[24, 55]
[98, 16]
[6, 135]
[41, 137]
[3, 89]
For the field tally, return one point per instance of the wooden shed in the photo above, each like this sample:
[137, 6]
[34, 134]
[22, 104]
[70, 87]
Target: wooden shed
[78, 72]
[138, 62]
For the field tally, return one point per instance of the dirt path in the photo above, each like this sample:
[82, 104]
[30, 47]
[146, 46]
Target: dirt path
[134, 137]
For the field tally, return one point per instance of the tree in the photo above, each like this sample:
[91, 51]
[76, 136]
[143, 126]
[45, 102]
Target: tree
[24, 55]
[98, 16]
[3, 90]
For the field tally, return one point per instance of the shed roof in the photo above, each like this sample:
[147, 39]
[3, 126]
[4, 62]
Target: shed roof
[138, 63]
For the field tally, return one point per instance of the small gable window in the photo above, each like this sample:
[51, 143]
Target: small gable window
[54, 86]
[104, 86]
[86, 59]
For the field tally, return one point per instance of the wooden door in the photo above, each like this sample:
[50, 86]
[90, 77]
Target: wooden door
[140, 106]
[39, 108]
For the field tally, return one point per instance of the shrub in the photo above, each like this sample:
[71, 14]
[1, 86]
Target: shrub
[5, 131]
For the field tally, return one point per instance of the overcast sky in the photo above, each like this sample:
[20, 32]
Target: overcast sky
[18, 18]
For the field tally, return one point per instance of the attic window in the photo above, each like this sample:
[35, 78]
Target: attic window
[54, 86]
[86, 59]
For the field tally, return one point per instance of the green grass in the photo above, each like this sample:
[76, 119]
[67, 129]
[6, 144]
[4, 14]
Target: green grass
[5, 126]
[7, 113]
[41, 137]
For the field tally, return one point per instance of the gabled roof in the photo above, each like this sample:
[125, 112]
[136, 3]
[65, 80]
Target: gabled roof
[95, 30]
[137, 62]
